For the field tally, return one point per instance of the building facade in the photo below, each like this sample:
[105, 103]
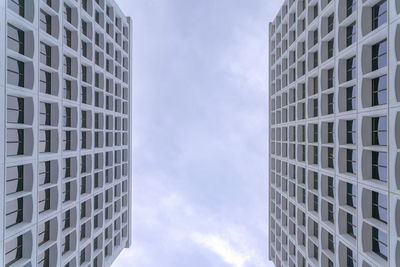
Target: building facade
[334, 106]
[65, 132]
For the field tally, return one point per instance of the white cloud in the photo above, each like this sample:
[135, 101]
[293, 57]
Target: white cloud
[221, 247]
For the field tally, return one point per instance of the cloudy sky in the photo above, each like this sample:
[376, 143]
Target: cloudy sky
[200, 133]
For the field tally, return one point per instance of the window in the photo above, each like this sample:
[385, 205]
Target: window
[84, 28]
[315, 133]
[13, 251]
[43, 259]
[351, 262]
[67, 37]
[68, 13]
[67, 192]
[14, 212]
[330, 23]
[45, 22]
[83, 185]
[97, 38]
[331, 187]
[379, 91]
[16, 39]
[379, 55]
[351, 68]
[68, 89]
[83, 210]
[330, 103]
[43, 233]
[350, 7]
[15, 179]
[45, 54]
[315, 35]
[15, 109]
[330, 157]
[84, 49]
[331, 244]
[379, 166]
[67, 117]
[83, 118]
[379, 14]
[45, 141]
[351, 195]
[15, 72]
[65, 247]
[67, 140]
[379, 243]
[351, 161]
[15, 142]
[330, 78]
[67, 65]
[84, 95]
[45, 113]
[350, 98]
[315, 204]
[67, 168]
[44, 172]
[379, 206]
[330, 213]
[315, 107]
[330, 48]
[350, 131]
[44, 200]
[379, 131]
[45, 82]
[84, 5]
[66, 219]
[351, 225]
[84, 73]
[351, 34]
[315, 59]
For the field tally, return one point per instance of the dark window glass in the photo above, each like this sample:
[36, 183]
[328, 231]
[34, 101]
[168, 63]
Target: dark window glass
[350, 160]
[330, 103]
[330, 23]
[351, 195]
[45, 54]
[379, 55]
[67, 37]
[330, 213]
[350, 131]
[379, 243]
[330, 48]
[379, 131]
[350, 7]
[331, 187]
[68, 13]
[351, 225]
[330, 132]
[15, 72]
[330, 157]
[350, 98]
[379, 14]
[379, 166]
[379, 91]
[330, 78]
[15, 179]
[351, 68]
[13, 251]
[15, 39]
[14, 212]
[379, 206]
[45, 22]
[351, 34]
[351, 262]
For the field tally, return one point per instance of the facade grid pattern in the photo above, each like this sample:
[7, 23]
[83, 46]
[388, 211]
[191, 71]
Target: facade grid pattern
[334, 107]
[66, 140]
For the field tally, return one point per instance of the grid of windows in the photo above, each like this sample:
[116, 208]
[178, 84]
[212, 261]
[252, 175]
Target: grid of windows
[67, 166]
[334, 109]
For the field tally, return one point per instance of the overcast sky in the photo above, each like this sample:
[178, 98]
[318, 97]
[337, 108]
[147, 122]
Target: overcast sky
[200, 133]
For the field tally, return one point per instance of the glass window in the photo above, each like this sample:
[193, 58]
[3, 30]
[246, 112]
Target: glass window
[379, 206]
[330, 157]
[330, 23]
[379, 243]
[351, 225]
[351, 262]
[351, 34]
[379, 91]
[379, 131]
[351, 161]
[351, 68]
[330, 48]
[330, 104]
[15, 179]
[379, 166]
[18, 6]
[350, 7]
[350, 131]
[14, 212]
[351, 195]
[350, 98]
[379, 14]
[331, 187]
[13, 250]
[379, 55]
[45, 22]
[15, 72]
[15, 39]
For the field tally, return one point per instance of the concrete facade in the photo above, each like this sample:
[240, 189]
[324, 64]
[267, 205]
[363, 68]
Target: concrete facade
[66, 138]
[334, 98]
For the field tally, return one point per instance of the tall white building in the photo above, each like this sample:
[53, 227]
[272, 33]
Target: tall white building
[334, 94]
[65, 132]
